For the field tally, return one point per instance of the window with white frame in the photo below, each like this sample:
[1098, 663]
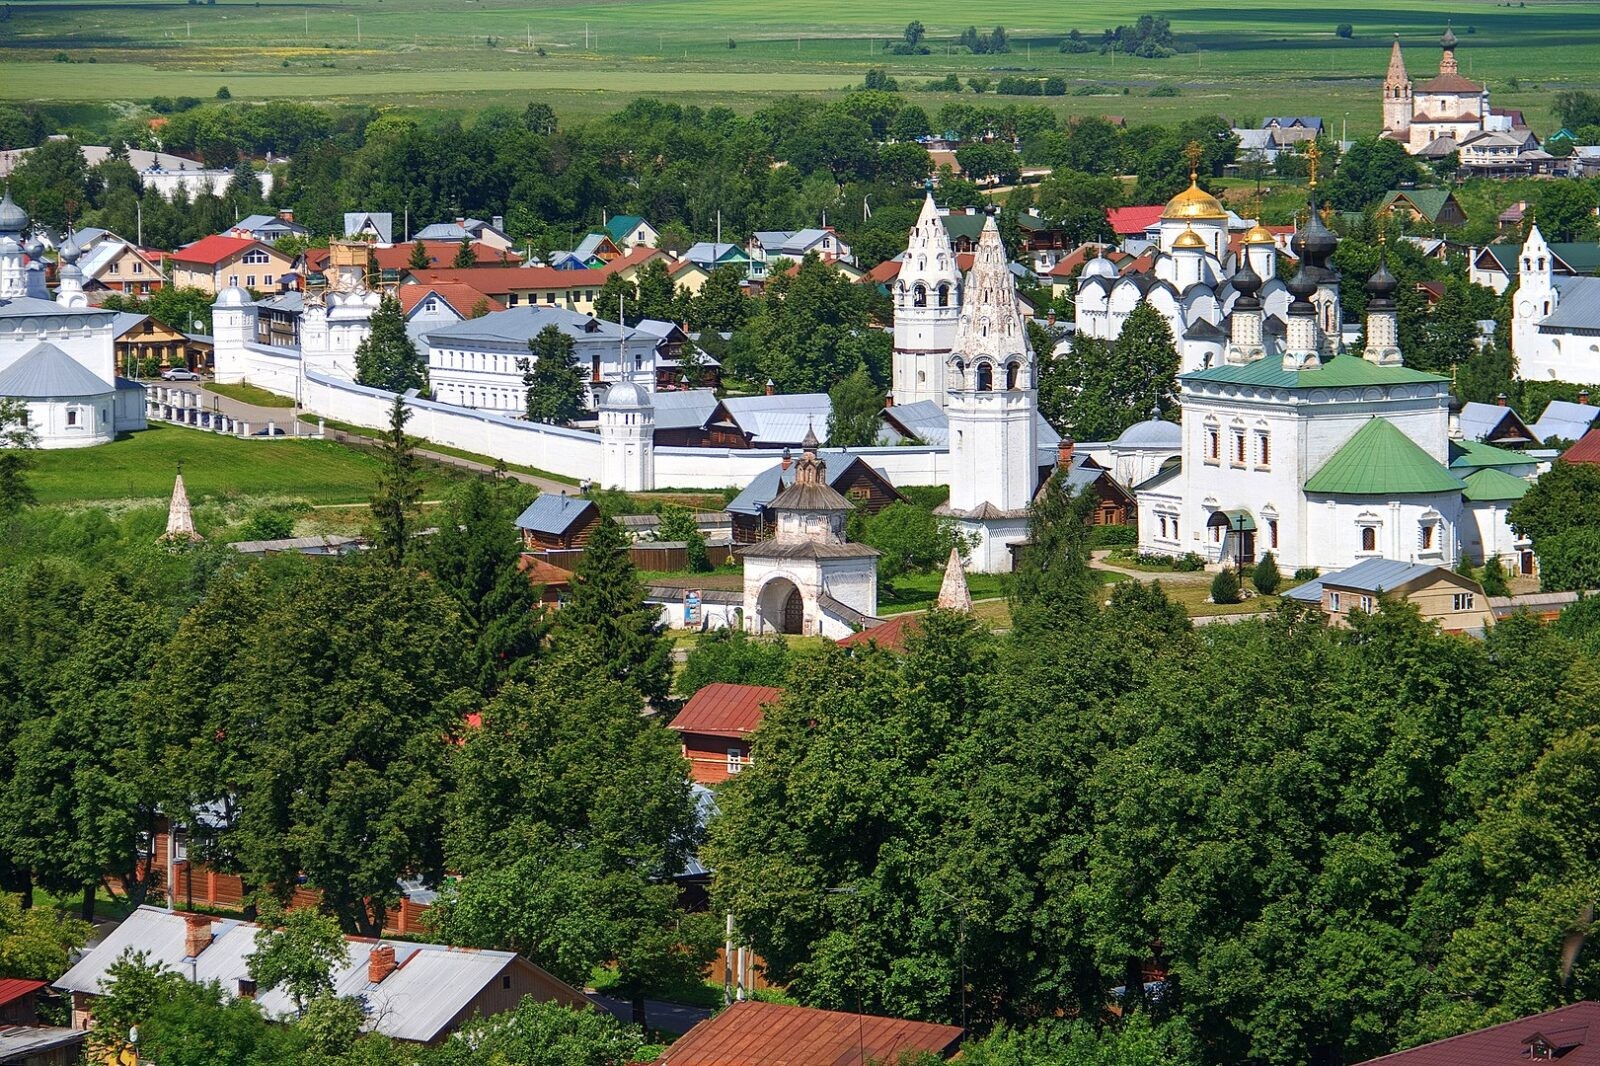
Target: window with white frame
[1238, 451]
[256, 257]
[735, 760]
[250, 280]
[1366, 604]
[1213, 444]
[1333, 602]
[72, 416]
[1263, 450]
[1272, 532]
[1462, 601]
[1369, 538]
[1428, 536]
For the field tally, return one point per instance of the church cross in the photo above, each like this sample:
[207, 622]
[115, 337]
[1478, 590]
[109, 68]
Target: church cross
[1194, 153]
[1313, 154]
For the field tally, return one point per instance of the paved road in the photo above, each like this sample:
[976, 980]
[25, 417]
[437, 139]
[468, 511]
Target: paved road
[284, 418]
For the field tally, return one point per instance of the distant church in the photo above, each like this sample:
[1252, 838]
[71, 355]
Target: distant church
[1433, 119]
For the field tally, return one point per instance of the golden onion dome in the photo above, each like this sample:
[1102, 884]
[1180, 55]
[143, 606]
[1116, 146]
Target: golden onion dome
[1259, 234]
[1194, 203]
[1189, 239]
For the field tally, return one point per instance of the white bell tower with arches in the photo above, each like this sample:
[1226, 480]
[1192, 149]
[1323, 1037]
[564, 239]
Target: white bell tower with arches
[993, 403]
[927, 310]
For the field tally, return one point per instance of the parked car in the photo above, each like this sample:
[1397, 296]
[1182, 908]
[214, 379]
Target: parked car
[179, 373]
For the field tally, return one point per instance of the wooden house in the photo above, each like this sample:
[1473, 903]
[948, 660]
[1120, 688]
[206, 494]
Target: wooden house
[554, 521]
[715, 726]
[144, 344]
[849, 475]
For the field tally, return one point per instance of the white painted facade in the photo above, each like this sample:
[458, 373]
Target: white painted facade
[1555, 320]
[927, 310]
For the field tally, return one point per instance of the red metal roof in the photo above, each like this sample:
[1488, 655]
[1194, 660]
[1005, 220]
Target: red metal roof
[1572, 1031]
[542, 572]
[14, 988]
[461, 298]
[722, 709]
[764, 1034]
[890, 635]
[1133, 221]
[498, 278]
[215, 248]
[1585, 450]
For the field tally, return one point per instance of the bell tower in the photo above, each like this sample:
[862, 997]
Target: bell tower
[1397, 104]
[927, 308]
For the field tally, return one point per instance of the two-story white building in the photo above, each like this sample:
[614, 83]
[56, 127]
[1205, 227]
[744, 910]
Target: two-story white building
[474, 363]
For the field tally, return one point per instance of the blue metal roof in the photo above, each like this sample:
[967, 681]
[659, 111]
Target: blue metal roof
[553, 513]
[1565, 420]
[1375, 575]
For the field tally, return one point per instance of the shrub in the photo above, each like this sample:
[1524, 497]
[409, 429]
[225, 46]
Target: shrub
[1113, 536]
[1164, 90]
[1494, 578]
[1306, 573]
[1189, 564]
[1225, 586]
[1345, 30]
[1267, 576]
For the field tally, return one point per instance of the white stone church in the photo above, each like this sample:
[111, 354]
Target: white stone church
[1555, 319]
[1320, 457]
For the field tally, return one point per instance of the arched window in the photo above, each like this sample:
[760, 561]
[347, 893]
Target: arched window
[985, 377]
[1011, 376]
[919, 295]
[1369, 539]
[944, 295]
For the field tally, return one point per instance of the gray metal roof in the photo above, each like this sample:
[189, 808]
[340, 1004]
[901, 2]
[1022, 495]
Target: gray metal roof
[1579, 307]
[430, 986]
[47, 372]
[781, 419]
[21, 1043]
[125, 321]
[1565, 420]
[684, 408]
[929, 423]
[553, 513]
[765, 486]
[34, 307]
[522, 323]
[1151, 433]
[288, 302]
[382, 222]
[1374, 575]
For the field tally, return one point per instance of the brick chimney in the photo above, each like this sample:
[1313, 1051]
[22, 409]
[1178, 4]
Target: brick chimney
[787, 459]
[772, 388]
[1050, 317]
[888, 400]
[286, 215]
[1583, 397]
[380, 964]
[1064, 452]
[1501, 399]
[196, 934]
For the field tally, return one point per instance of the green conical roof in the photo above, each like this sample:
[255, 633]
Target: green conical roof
[1380, 460]
[1491, 484]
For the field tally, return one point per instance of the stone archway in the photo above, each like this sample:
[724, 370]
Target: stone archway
[781, 607]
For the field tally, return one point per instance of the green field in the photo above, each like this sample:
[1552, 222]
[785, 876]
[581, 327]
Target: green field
[1249, 59]
[141, 466]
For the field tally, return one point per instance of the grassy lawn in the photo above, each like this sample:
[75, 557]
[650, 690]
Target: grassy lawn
[1246, 60]
[141, 466]
[918, 592]
[250, 394]
[445, 449]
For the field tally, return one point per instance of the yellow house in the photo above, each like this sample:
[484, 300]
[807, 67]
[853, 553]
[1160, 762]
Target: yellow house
[1457, 604]
[214, 263]
[120, 267]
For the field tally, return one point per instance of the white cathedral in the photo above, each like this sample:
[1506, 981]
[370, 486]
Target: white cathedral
[58, 355]
[1320, 457]
[1434, 118]
[1188, 282]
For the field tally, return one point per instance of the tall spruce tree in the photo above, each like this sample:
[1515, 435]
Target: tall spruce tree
[419, 256]
[1053, 583]
[474, 557]
[856, 406]
[465, 258]
[606, 623]
[386, 358]
[394, 503]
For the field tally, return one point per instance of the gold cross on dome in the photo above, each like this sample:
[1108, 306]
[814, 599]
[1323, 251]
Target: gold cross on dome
[1313, 154]
[1193, 152]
